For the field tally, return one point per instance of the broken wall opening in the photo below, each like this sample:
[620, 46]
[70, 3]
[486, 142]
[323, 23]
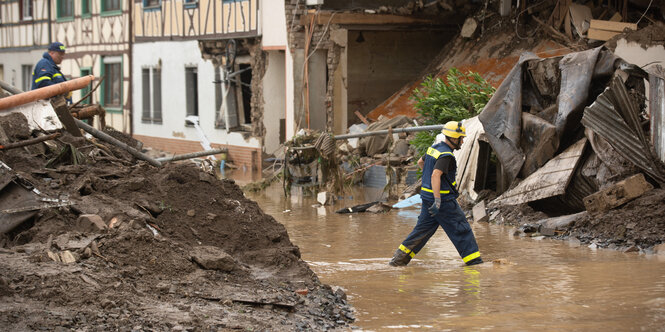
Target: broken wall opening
[487, 171]
[381, 62]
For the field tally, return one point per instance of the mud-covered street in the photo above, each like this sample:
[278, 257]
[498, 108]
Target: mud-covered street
[534, 283]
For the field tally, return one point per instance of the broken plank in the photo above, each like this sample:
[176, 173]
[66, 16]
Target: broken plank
[611, 26]
[601, 34]
[548, 181]
[361, 117]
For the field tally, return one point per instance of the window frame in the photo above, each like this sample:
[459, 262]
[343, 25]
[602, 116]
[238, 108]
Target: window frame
[110, 12]
[84, 71]
[148, 8]
[188, 4]
[195, 102]
[86, 4]
[58, 11]
[26, 77]
[22, 10]
[151, 95]
[111, 60]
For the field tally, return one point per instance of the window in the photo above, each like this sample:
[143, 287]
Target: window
[151, 3]
[152, 112]
[65, 9]
[86, 89]
[192, 91]
[26, 9]
[191, 3]
[111, 7]
[112, 89]
[85, 8]
[26, 76]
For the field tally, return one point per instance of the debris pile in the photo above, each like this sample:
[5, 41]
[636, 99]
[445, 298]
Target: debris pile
[574, 137]
[147, 248]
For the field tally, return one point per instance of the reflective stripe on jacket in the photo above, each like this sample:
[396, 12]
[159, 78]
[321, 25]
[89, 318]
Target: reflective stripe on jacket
[46, 73]
[435, 152]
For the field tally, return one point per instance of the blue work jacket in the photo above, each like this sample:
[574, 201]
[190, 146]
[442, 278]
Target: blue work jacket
[436, 151]
[46, 73]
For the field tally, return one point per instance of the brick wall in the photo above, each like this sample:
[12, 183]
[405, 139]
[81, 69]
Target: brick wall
[238, 155]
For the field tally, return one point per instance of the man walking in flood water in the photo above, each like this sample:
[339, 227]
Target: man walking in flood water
[440, 207]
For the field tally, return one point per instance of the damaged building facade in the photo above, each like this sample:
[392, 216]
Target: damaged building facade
[346, 61]
[208, 62]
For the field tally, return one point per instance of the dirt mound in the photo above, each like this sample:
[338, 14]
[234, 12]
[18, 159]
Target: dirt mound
[640, 222]
[173, 248]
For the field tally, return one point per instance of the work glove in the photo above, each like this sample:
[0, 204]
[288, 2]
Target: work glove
[434, 209]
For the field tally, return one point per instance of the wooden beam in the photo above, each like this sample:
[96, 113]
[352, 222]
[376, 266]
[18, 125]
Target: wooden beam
[611, 25]
[601, 34]
[361, 18]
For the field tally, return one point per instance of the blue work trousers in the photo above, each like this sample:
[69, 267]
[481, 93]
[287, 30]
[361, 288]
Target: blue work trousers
[453, 221]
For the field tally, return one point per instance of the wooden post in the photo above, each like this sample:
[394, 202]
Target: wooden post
[61, 109]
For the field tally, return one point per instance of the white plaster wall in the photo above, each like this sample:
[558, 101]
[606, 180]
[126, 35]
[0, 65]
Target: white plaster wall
[12, 62]
[273, 23]
[175, 56]
[274, 96]
[634, 53]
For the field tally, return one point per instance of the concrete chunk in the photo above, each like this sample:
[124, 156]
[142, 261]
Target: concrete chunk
[90, 223]
[213, 258]
[620, 193]
[480, 212]
[67, 257]
[469, 27]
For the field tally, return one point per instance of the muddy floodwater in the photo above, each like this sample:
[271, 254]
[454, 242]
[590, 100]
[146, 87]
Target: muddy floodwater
[546, 284]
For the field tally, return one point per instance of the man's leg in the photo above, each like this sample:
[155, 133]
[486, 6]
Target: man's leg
[421, 233]
[454, 223]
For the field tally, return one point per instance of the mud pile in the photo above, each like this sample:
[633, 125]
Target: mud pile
[176, 249]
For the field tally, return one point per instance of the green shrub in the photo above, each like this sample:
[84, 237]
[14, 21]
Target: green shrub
[461, 96]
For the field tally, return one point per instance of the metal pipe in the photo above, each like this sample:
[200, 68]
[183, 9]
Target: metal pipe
[45, 92]
[386, 131]
[107, 138]
[192, 155]
[9, 88]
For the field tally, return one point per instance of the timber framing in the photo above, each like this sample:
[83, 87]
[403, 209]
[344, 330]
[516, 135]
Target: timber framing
[328, 17]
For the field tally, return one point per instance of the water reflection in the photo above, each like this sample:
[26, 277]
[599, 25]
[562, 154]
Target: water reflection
[545, 284]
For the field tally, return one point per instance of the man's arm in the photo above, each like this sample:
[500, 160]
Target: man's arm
[436, 183]
[421, 162]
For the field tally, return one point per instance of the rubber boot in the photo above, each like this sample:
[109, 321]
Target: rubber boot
[475, 261]
[400, 258]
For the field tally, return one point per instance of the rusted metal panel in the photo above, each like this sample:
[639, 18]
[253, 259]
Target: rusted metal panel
[657, 109]
[550, 180]
[614, 117]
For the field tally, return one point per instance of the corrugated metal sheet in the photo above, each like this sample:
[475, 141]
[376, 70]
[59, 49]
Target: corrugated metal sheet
[614, 117]
[375, 177]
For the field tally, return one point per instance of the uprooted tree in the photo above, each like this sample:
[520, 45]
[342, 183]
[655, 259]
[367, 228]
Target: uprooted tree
[459, 96]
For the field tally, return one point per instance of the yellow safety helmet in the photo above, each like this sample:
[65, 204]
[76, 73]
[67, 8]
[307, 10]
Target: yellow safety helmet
[454, 129]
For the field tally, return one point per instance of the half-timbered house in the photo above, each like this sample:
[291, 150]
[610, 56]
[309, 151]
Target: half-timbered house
[97, 35]
[24, 36]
